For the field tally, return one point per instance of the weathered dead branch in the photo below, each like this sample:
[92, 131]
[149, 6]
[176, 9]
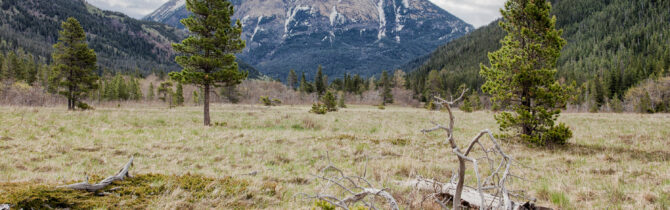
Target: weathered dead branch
[356, 189]
[496, 182]
[123, 173]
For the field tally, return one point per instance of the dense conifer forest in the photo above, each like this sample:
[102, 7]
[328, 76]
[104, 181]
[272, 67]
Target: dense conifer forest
[612, 46]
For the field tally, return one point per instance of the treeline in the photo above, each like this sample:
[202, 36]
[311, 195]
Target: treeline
[613, 45]
[20, 66]
[352, 84]
[119, 88]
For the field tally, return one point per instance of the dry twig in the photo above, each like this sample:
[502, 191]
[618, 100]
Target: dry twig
[356, 189]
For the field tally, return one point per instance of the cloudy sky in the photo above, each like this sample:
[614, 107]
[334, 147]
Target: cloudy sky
[475, 12]
[132, 8]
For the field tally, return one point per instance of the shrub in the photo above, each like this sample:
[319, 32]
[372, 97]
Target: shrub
[466, 106]
[266, 101]
[556, 135]
[616, 104]
[340, 102]
[381, 106]
[319, 108]
[84, 106]
[430, 106]
[276, 102]
[329, 101]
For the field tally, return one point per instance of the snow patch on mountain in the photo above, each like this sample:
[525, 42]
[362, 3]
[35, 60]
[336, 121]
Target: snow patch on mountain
[258, 27]
[333, 15]
[290, 16]
[382, 20]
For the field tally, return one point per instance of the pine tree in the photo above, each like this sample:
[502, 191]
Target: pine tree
[340, 102]
[74, 63]
[319, 82]
[165, 92]
[13, 66]
[151, 94]
[2, 66]
[231, 93]
[30, 70]
[330, 101]
[179, 95]
[196, 99]
[209, 53]
[616, 104]
[399, 78]
[303, 83]
[432, 85]
[292, 79]
[387, 95]
[645, 104]
[522, 72]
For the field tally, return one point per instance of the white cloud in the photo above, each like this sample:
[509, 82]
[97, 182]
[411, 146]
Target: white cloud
[132, 8]
[475, 12]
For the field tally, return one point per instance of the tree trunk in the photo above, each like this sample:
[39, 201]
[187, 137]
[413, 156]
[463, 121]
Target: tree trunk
[459, 186]
[526, 128]
[206, 109]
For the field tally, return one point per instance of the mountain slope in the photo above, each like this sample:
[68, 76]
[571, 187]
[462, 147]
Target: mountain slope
[620, 41]
[121, 43]
[345, 36]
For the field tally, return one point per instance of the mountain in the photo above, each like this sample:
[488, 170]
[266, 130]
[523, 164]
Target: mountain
[345, 36]
[617, 41]
[121, 43]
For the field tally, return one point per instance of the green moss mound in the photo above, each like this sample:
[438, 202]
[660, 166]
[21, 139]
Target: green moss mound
[138, 192]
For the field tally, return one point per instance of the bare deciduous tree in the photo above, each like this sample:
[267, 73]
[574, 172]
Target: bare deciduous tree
[496, 182]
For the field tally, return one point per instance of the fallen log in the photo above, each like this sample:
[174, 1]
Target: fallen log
[120, 176]
[470, 196]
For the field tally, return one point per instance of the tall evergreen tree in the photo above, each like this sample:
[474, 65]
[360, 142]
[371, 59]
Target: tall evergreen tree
[74, 63]
[209, 53]
[319, 82]
[387, 95]
[522, 72]
[292, 79]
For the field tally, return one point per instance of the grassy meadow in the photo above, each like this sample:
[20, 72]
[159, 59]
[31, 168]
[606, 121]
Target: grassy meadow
[614, 161]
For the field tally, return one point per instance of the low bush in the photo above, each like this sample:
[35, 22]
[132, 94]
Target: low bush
[319, 108]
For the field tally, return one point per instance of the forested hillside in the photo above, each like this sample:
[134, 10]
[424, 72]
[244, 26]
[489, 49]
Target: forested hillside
[29, 28]
[612, 44]
[121, 42]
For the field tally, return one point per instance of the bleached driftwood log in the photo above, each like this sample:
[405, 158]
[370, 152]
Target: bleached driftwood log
[469, 195]
[123, 173]
[357, 188]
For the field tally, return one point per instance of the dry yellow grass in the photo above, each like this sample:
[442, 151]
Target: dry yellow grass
[613, 161]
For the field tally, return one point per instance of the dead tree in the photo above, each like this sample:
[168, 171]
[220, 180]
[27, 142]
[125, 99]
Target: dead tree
[357, 189]
[120, 176]
[496, 182]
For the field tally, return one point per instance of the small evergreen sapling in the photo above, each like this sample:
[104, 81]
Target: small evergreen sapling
[330, 101]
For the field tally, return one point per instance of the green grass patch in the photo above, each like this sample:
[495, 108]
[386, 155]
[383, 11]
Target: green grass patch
[138, 192]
